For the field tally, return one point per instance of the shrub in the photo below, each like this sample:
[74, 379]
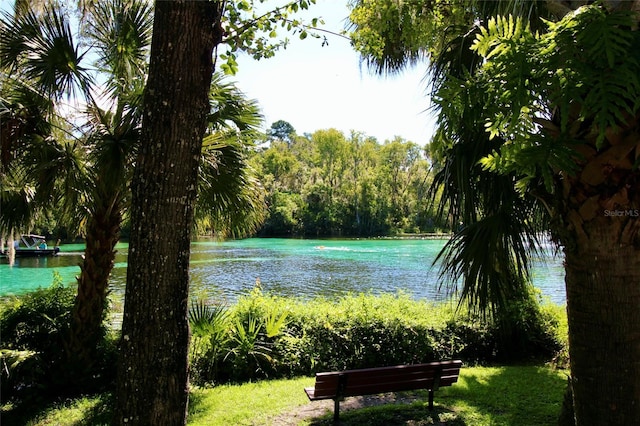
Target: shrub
[36, 320]
[236, 345]
[34, 329]
[36, 323]
[209, 331]
[348, 343]
[19, 369]
[526, 331]
[361, 331]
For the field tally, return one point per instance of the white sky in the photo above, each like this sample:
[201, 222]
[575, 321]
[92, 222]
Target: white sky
[314, 87]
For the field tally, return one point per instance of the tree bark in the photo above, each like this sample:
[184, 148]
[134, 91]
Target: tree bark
[603, 307]
[600, 211]
[152, 386]
[89, 309]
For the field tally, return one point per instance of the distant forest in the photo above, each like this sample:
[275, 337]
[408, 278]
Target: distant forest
[328, 184]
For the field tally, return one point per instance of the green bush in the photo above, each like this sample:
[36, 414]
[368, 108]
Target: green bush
[35, 323]
[35, 329]
[526, 331]
[209, 337]
[20, 369]
[236, 345]
[37, 319]
[344, 344]
[361, 331]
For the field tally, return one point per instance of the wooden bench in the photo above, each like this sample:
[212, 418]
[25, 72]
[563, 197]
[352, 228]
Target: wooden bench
[368, 381]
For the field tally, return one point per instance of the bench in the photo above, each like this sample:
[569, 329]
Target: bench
[368, 381]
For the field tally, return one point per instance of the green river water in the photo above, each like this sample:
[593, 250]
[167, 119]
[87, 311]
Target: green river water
[292, 267]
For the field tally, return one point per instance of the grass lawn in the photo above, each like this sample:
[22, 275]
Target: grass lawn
[513, 396]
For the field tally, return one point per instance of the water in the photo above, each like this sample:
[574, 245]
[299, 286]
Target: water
[294, 267]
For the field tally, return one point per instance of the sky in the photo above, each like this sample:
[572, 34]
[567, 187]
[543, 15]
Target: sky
[314, 87]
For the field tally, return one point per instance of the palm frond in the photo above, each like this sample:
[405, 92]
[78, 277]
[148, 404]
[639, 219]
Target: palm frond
[206, 319]
[120, 32]
[456, 59]
[113, 145]
[488, 262]
[230, 109]
[25, 115]
[59, 171]
[392, 49]
[44, 48]
[497, 226]
[230, 199]
[17, 209]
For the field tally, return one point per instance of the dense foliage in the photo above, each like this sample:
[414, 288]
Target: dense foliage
[264, 336]
[329, 184]
[34, 354]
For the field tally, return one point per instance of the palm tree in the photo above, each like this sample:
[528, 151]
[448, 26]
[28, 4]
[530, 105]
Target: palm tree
[93, 193]
[537, 132]
[87, 169]
[29, 120]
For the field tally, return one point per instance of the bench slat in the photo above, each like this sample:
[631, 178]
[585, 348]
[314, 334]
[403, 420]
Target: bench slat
[390, 386]
[372, 387]
[401, 375]
[384, 379]
[397, 369]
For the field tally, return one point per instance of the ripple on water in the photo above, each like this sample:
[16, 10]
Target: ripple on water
[292, 267]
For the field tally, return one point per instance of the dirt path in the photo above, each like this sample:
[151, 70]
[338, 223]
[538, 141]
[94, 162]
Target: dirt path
[318, 408]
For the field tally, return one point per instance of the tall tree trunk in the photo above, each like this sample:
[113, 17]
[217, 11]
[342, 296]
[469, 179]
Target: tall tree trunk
[152, 384]
[600, 209]
[103, 232]
[603, 307]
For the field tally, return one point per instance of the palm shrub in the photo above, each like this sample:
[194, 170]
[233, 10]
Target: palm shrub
[249, 354]
[209, 331]
[234, 345]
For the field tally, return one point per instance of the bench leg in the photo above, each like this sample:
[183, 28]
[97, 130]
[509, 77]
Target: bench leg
[430, 399]
[336, 409]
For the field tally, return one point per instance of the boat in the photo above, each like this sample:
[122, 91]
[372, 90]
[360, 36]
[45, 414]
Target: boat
[31, 245]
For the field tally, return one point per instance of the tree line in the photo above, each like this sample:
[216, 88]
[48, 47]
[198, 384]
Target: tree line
[329, 184]
[320, 184]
